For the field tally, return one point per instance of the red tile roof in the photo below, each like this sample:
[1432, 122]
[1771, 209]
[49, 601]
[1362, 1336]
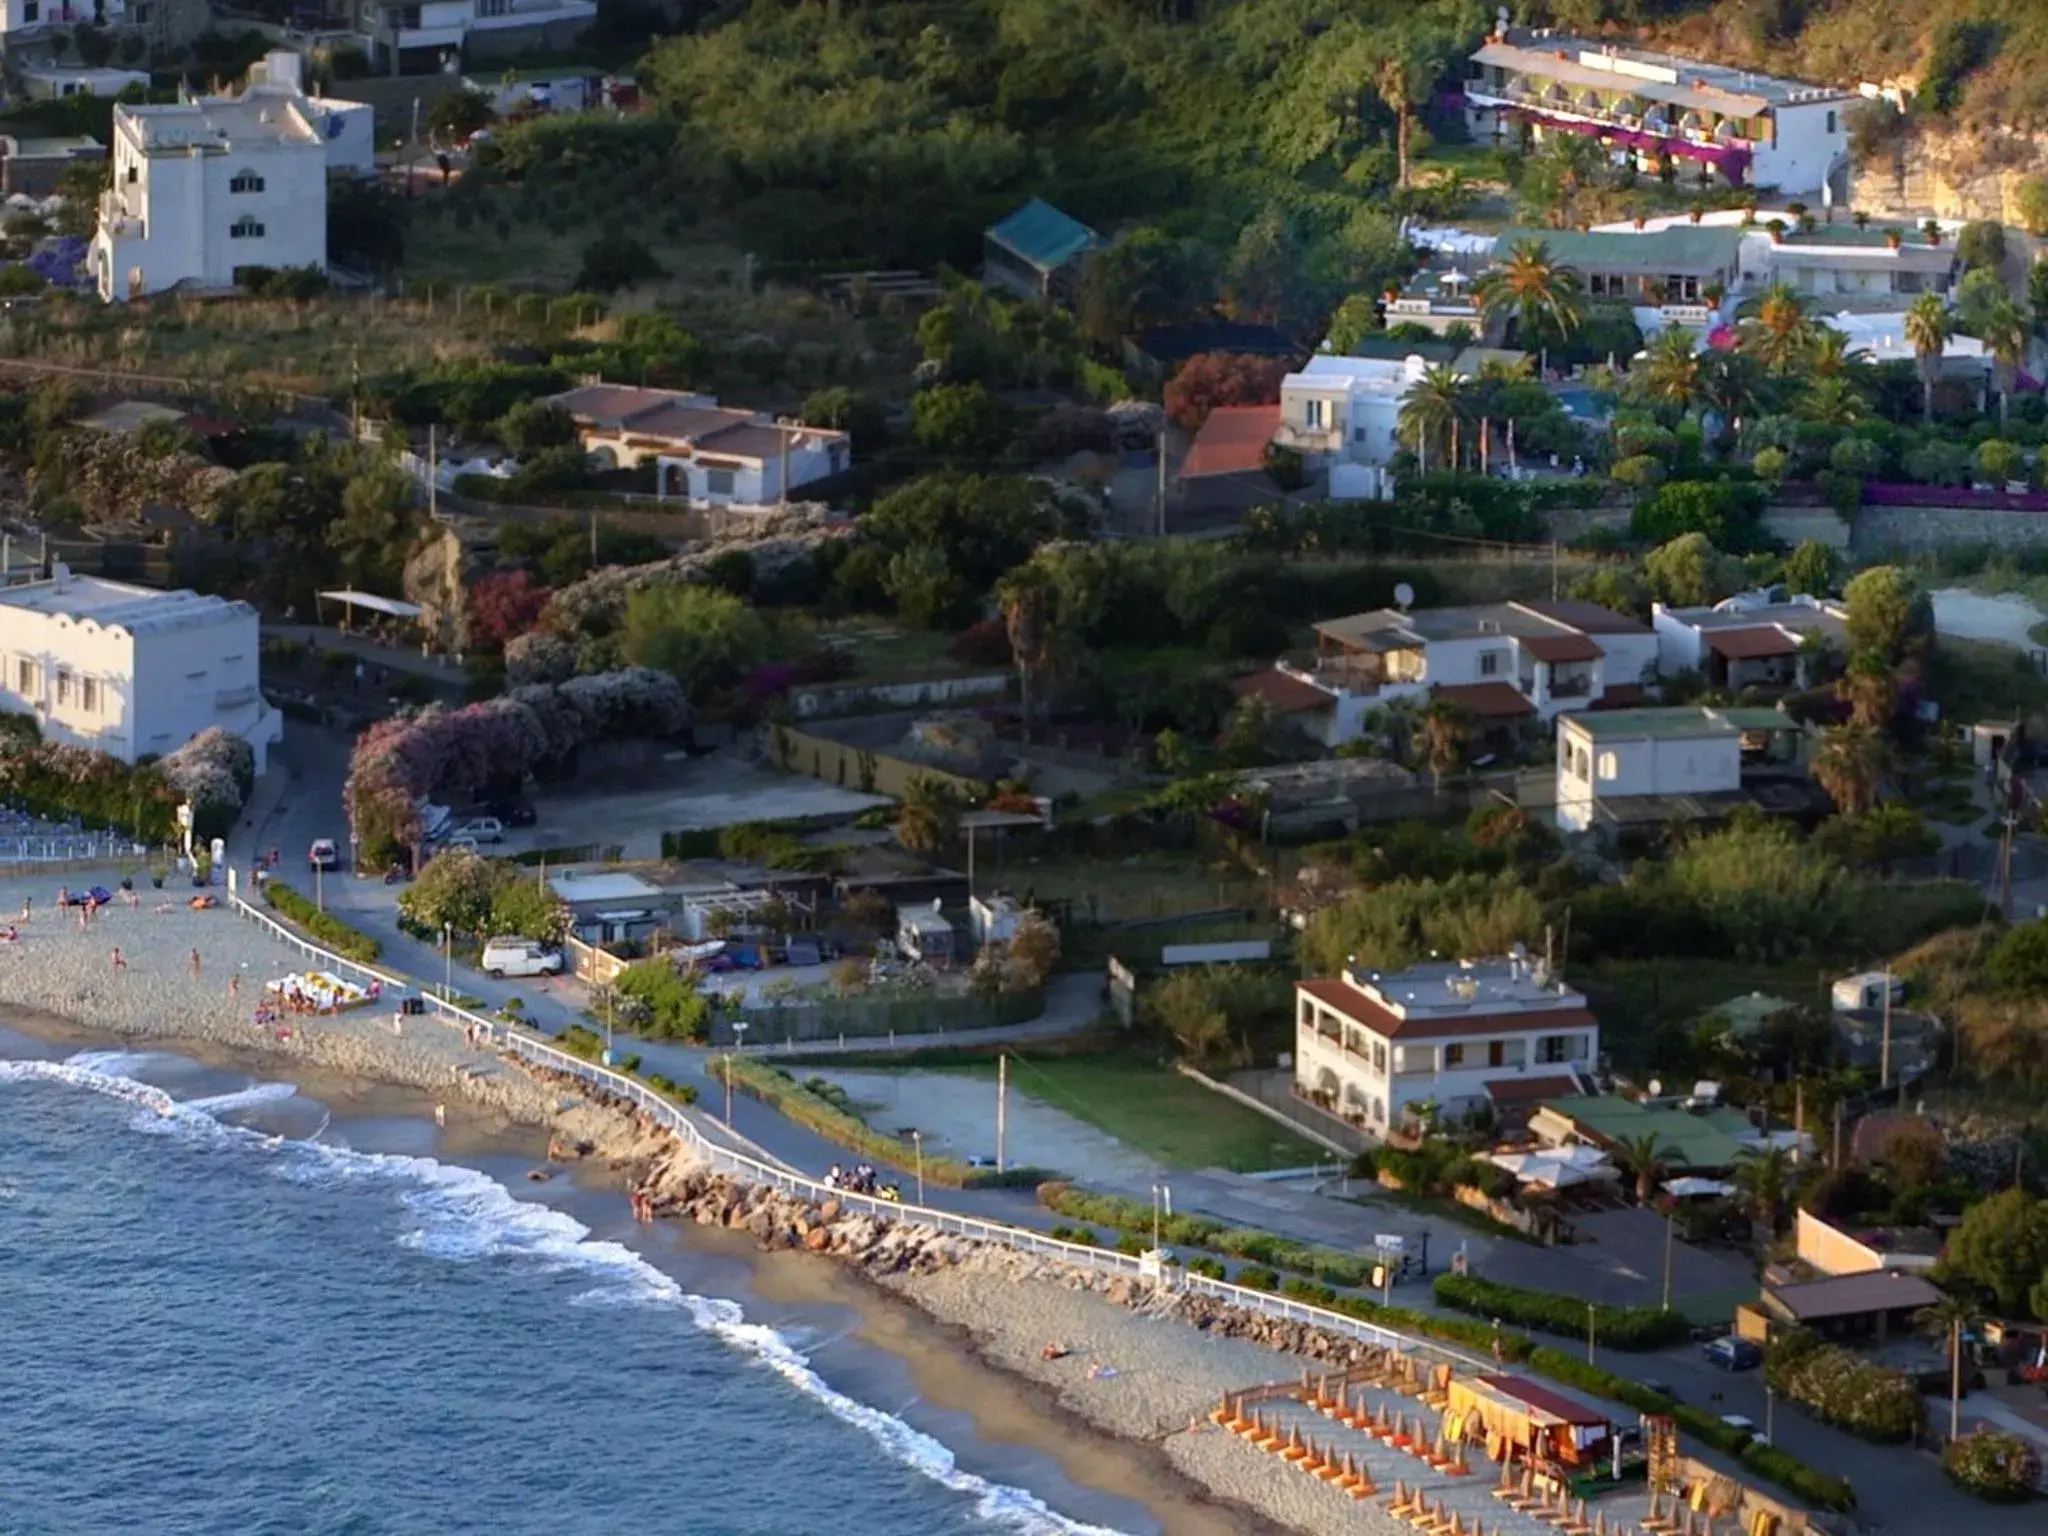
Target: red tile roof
[1619, 696]
[1559, 647]
[1521, 1090]
[1341, 997]
[1752, 644]
[1232, 441]
[1490, 701]
[1285, 695]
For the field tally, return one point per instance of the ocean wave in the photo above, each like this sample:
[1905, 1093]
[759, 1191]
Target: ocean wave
[466, 1216]
[243, 1098]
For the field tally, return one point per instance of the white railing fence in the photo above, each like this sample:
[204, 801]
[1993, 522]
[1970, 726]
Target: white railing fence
[389, 982]
[669, 1115]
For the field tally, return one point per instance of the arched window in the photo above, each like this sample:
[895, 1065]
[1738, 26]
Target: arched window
[245, 181]
[246, 228]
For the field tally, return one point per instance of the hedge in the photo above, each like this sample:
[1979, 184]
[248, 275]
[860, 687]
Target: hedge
[1839, 1387]
[791, 1099]
[1626, 1328]
[324, 926]
[1993, 1466]
[1264, 1248]
[1819, 1488]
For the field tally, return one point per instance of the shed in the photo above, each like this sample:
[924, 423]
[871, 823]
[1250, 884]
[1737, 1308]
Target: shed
[1876, 1303]
[1510, 1411]
[1866, 989]
[1036, 252]
[994, 918]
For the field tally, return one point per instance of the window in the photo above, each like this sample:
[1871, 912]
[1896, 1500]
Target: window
[1379, 1057]
[31, 13]
[718, 482]
[1358, 434]
[1556, 1048]
[1454, 1056]
[245, 181]
[24, 676]
[1831, 122]
[490, 7]
[63, 687]
[1312, 412]
[1496, 1053]
[1489, 663]
[131, 175]
[1610, 767]
[246, 228]
[89, 695]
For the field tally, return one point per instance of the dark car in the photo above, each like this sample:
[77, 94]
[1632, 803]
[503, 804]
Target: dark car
[514, 813]
[1733, 1354]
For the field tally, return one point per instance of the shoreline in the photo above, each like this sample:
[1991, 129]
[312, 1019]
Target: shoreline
[58, 987]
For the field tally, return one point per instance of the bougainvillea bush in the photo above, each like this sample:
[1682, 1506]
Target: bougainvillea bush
[215, 771]
[402, 761]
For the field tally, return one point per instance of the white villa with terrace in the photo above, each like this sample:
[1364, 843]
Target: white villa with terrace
[1744, 128]
[703, 452]
[1502, 662]
[1460, 1035]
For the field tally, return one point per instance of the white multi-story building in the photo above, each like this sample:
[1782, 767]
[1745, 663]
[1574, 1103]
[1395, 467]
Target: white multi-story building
[1460, 1035]
[703, 452]
[1501, 662]
[1346, 410]
[131, 671]
[447, 28]
[1636, 764]
[203, 189]
[1746, 128]
[1751, 640]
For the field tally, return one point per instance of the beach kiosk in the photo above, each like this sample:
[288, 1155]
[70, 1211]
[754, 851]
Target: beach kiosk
[1512, 1414]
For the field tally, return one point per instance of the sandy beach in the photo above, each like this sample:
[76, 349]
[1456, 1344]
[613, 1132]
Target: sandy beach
[1145, 1382]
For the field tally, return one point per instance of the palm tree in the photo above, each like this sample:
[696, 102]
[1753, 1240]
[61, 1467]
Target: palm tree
[1643, 1158]
[928, 815]
[1834, 400]
[1533, 288]
[1849, 763]
[2003, 331]
[1672, 372]
[1870, 691]
[1764, 1176]
[1403, 78]
[1732, 386]
[1486, 396]
[1440, 737]
[1029, 598]
[1776, 329]
[1928, 328]
[1831, 356]
[1432, 409]
[1948, 1320]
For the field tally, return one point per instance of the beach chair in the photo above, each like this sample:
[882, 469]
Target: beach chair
[1293, 1450]
[1655, 1521]
[1403, 1502]
[1265, 1436]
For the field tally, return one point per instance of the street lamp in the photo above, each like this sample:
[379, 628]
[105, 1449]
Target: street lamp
[1770, 1414]
[1589, 1333]
[319, 886]
[917, 1140]
[739, 1043]
[610, 994]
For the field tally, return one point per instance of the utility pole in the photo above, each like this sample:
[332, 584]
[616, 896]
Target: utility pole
[593, 538]
[1669, 1227]
[1589, 1332]
[1162, 480]
[1555, 575]
[1838, 1133]
[433, 471]
[1884, 1059]
[1002, 1107]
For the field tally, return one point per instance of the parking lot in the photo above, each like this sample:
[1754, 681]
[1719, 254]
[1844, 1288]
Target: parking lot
[632, 807]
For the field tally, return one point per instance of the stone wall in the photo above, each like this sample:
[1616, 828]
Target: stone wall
[1880, 531]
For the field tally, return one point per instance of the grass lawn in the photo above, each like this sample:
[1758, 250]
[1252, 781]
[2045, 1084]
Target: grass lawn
[1144, 885]
[1631, 995]
[1156, 1111]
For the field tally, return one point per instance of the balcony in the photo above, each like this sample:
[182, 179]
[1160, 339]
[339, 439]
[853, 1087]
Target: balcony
[1309, 439]
[114, 219]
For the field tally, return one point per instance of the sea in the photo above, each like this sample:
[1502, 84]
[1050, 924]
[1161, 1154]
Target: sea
[224, 1309]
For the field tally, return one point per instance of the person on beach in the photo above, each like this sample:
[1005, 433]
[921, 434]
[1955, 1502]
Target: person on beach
[234, 984]
[120, 962]
[27, 905]
[195, 962]
[63, 895]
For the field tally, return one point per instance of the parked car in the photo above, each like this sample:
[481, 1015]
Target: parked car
[479, 829]
[513, 813]
[521, 957]
[463, 843]
[323, 855]
[1733, 1354]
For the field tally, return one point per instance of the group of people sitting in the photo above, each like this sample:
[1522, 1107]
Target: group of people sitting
[859, 1179]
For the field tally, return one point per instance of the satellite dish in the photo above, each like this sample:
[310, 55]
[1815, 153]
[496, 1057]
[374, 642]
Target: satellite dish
[1404, 596]
[1656, 1088]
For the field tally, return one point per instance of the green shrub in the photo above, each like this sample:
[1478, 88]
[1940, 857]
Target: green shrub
[1996, 1467]
[1815, 1487]
[1263, 1248]
[1213, 1268]
[1839, 1387]
[675, 1008]
[323, 926]
[1256, 1277]
[1627, 1328]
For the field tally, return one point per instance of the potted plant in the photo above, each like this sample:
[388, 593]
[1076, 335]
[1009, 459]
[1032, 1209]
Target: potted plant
[1894, 238]
[1642, 221]
[202, 869]
[1932, 231]
[1777, 229]
[1749, 211]
[1713, 293]
[1699, 211]
[1862, 218]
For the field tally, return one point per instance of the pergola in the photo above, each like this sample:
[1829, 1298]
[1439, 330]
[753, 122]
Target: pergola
[369, 602]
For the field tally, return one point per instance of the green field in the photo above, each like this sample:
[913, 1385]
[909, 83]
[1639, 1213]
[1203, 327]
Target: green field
[1156, 1111]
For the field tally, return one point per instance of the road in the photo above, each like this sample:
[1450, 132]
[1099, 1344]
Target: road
[1898, 1490]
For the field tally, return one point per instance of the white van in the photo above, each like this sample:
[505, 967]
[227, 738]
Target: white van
[521, 957]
